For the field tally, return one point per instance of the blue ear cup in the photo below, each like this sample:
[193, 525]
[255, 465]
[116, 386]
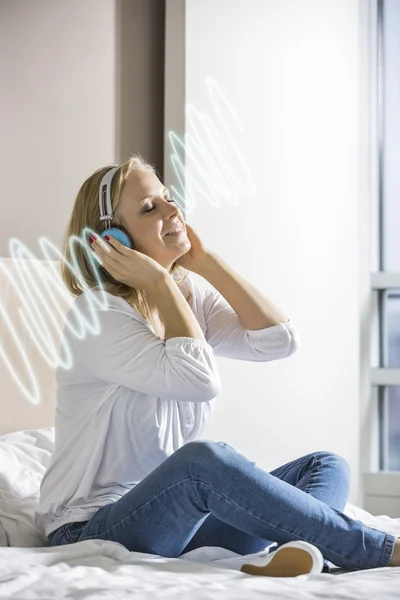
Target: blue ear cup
[119, 235]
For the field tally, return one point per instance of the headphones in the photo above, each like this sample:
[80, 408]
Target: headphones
[120, 233]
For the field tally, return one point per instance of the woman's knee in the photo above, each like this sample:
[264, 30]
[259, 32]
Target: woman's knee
[207, 449]
[336, 461]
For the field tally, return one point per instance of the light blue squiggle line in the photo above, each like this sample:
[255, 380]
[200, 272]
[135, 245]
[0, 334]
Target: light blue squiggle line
[213, 150]
[34, 303]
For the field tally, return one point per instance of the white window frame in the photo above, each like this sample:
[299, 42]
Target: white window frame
[381, 487]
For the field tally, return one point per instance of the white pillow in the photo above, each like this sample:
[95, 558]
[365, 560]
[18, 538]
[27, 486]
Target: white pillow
[24, 458]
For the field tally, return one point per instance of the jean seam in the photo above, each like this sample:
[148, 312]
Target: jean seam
[317, 464]
[67, 534]
[296, 463]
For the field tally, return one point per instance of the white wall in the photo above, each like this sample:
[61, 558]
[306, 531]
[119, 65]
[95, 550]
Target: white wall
[291, 71]
[81, 87]
[57, 71]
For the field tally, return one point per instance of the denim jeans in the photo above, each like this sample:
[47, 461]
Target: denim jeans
[208, 494]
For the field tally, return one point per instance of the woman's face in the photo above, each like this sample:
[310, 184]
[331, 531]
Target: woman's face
[149, 213]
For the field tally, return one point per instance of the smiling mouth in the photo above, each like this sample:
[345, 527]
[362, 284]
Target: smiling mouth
[177, 231]
[177, 234]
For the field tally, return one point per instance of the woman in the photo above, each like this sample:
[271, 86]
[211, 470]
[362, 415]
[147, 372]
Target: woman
[128, 464]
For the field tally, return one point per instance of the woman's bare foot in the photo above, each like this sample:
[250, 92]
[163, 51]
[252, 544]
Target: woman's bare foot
[395, 560]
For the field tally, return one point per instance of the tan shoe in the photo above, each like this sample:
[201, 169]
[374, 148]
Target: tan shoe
[289, 560]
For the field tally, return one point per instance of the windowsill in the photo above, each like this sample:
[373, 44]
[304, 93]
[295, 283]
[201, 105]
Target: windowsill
[382, 483]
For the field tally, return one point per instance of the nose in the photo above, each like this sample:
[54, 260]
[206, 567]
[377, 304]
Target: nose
[174, 210]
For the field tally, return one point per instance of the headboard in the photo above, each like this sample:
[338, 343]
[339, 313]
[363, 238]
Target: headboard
[30, 341]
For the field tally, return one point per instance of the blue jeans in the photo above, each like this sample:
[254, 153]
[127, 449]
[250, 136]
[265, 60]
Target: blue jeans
[208, 494]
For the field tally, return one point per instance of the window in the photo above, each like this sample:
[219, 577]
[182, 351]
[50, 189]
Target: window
[386, 282]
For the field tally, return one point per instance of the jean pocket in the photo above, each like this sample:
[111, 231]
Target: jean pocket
[73, 530]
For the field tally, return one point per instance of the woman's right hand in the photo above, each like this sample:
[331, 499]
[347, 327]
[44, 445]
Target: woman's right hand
[135, 269]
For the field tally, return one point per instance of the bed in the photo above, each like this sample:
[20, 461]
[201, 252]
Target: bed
[29, 568]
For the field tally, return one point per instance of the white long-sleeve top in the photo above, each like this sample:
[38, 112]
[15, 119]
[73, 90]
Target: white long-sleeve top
[131, 399]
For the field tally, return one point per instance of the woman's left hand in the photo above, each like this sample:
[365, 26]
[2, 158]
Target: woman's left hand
[197, 255]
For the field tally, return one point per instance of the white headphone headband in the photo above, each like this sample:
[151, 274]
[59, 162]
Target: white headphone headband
[105, 195]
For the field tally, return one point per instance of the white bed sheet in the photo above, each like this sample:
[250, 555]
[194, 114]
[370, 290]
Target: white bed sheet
[95, 568]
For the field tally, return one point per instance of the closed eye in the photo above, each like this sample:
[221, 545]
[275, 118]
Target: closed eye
[153, 207]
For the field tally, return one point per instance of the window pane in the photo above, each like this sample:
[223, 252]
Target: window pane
[393, 427]
[391, 137]
[390, 427]
[391, 332]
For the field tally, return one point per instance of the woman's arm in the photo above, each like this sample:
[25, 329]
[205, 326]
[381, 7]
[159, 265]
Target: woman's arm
[254, 310]
[175, 312]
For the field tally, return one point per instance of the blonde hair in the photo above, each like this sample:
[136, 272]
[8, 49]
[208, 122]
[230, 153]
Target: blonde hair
[86, 213]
